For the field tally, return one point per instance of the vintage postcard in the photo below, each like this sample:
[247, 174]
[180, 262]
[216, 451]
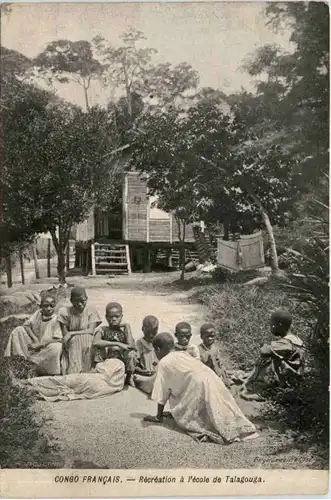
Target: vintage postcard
[164, 326]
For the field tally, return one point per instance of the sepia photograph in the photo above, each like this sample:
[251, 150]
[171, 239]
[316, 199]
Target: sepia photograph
[164, 245]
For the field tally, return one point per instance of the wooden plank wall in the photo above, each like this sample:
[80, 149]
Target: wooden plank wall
[136, 206]
[85, 231]
[159, 230]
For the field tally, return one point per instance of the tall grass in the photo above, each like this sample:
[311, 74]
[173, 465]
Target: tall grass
[242, 316]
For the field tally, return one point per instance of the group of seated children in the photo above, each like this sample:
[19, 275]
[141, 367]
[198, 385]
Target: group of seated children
[73, 341]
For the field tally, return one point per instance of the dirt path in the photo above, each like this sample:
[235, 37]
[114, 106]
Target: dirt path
[109, 432]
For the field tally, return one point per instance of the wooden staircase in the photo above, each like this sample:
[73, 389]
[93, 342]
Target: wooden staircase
[205, 248]
[112, 258]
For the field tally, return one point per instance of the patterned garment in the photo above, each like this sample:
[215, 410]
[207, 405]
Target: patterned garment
[121, 334]
[47, 359]
[199, 401]
[282, 364]
[146, 356]
[77, 358]
[146, 360]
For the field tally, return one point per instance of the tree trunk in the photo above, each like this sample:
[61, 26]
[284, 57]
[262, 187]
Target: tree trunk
[61, 265]
[226, 235]
[22, 266]
[60, 244]
[127, 87]
[267, 223]
[48, 258]
[181, 237]
[182, 261]
[87, 104]
[35, 260]
[9, 271]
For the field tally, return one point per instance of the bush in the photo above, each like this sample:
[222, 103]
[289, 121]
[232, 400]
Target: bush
[221, 275]
[242, 316]
[24, 442]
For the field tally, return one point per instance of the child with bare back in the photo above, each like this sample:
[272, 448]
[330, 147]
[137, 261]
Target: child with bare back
[116, 333]
[183, 334]
[146, 358]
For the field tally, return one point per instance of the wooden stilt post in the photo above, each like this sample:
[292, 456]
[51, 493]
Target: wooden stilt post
[68, 257]
[48, 258]
[9, 272]
[93, 259]
[128, 258]
[35, 259]
[22, 266]
[87, 261]
[169, 258]
[147, 263]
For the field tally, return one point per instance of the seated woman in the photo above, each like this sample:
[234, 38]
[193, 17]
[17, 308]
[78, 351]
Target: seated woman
[105, 379]
[39, 340]
[78, 323]
[281, 363]
[199, 401]
[147, 361]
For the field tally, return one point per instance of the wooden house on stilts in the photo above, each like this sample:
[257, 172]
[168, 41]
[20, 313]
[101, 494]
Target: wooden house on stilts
[135, 238]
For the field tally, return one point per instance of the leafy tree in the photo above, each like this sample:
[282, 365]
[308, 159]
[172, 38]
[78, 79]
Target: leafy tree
[293, 88]
[228, 178]
[18, 223]
[125, 66]
[129, 69]
[285, 122]
[69, 61]
[159, 152]
[14, 67]
[58, 164]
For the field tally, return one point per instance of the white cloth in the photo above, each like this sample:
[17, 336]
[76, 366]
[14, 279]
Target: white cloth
[199, 401]
[108, 379]
[48, 358]
[192, 350]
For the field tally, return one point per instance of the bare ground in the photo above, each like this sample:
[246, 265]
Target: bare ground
[109, 432]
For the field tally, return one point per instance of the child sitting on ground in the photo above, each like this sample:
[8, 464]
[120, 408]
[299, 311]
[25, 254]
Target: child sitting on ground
[183, 334]
[117, 333]
[146, 358]
[35, 348]
[281, 362]
[209, 354]
[78, 323]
